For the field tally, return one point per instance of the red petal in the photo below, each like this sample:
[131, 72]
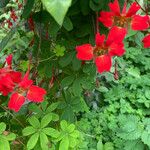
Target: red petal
[16, 101]
[107, 18]
[9, 59]
[84, 52]
[124, 8]
[26, 83]
[116, 49]
[16, 76]
[6, 85]
[139, 22]
[103, 63]
[115, 8]
[133, 9]
[116, 34]
[99, 39]
[36, 94]
[146, 41]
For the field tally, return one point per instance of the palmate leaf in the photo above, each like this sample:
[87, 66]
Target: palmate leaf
[57, 8]
[130, 127]
[28, 130]
[34, 122]
[32, 141]
[64, 144]
[134, 145]
[44, 141]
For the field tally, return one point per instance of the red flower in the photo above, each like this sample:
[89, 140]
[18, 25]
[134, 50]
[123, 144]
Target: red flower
[124, 18]
[8, 77]
[25, 90]
[146, 41]
[104, 50]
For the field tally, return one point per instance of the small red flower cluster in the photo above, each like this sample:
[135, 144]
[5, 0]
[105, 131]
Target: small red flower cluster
[118, 23]
[22, 88]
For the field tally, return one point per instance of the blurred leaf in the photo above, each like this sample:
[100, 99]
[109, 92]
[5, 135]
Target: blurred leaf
[27, 9]
[57, 9]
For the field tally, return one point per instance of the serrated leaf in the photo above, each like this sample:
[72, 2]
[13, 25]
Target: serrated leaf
[51, 132]
[59, 50]
[34, 122]
[146, 138]
[32, 141]
[46, 120]
[2, 127]
[64, 144]
[134, 145]
[28, 130]
[57, 9]
[44, 141]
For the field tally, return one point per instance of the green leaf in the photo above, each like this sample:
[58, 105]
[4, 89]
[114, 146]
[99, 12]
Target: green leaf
[64, 61]
[67, 81]
[64, 125]
[27, 9]
[34, 122]
[3, 3]
[134, 72]
[4, 144]
[57, 9]
[146, 138]
[59, 50]
[75, 134]
[51, 132]
[134, 145]
[2, 127]
[32, 141]
[52, 107]
[7, 38]
[44, 141]
[108, 146]
[100, 145]
[71, 128]
[64, 144]
[76, 64]
[28, 130]
[67, 24]
[72, 142]
[84, 5]
[46, 120]
[10, 136]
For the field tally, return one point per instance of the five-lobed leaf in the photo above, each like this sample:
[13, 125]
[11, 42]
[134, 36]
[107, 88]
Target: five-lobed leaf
[32, 141]
[28, 130]
[46, 120]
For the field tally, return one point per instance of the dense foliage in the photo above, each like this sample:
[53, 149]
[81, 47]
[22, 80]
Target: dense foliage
[53, 96]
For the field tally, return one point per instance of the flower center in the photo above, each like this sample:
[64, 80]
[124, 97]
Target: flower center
[21, 91]
[98, 51]
[121, 21]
